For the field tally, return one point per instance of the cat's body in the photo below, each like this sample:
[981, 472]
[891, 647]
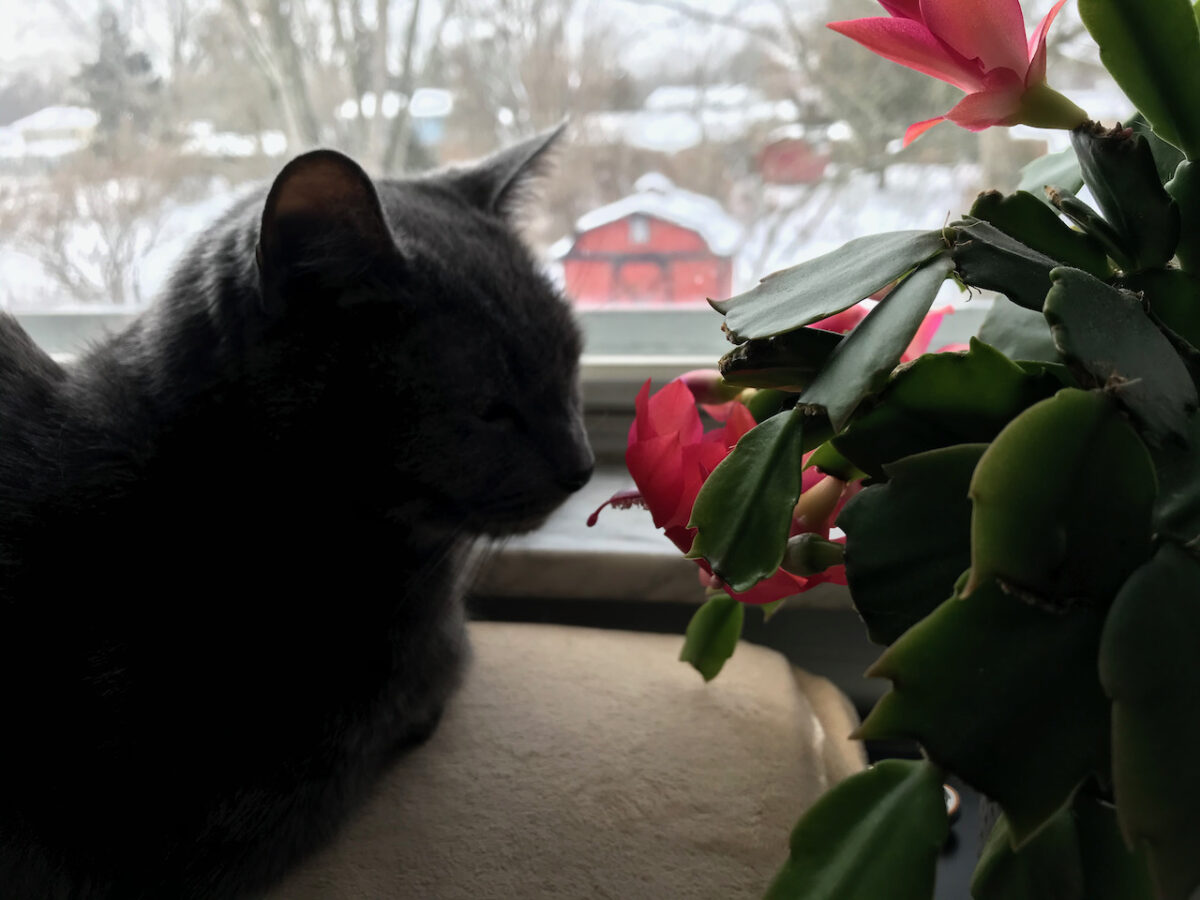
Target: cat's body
[231, 536]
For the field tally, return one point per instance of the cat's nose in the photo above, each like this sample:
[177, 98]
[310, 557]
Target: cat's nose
[573, 481]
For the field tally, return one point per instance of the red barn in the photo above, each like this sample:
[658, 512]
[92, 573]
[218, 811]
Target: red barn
[661, 246]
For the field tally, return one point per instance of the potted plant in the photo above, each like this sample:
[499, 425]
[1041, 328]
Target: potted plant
[1021, 517]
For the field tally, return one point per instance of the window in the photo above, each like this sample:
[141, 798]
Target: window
[711, 142]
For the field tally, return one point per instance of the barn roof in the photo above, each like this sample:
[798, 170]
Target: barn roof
[657, 197]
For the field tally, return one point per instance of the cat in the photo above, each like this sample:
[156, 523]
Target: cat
[232, 535]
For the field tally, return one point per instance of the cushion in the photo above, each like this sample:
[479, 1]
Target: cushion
[587, 763]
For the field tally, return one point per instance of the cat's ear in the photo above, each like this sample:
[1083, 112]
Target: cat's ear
[323, 219]
[498, 183]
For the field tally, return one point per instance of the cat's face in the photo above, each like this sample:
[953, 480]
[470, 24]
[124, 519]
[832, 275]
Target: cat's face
[451, 362]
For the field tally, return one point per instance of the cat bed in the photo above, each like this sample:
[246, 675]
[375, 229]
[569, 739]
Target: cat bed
[584, 763]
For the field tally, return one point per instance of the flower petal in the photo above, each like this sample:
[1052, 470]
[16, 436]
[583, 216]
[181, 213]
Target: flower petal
[671, 410]
[657, 469]
[912, 44]
[903, 9]
[928, 328]
[917, 129]
[781, 584]
[984, 109]
[991, 31]
[1037, 47]
[740, 421]
[843, 321]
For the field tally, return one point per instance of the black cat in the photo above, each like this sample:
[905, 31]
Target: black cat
[231, 536]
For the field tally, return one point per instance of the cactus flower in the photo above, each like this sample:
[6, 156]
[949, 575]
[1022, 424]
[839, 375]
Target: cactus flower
[670, 456]
[978, 46]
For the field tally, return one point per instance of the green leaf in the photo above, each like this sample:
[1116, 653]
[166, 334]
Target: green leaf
[1018, 333]
[908, 540]
[712, 635]
[1173, 297]
[1106, 337]
[1079, 855]
[988, 258]
[1167, 157]
[767, 402]
[1095, 226]
[1057, 170]
[744, 510]
[1036, 225]
[828, 284]
[831, 462]
[1120, 169]
[1177, 510]
[1111, 870]
[1062, 498]
[877, 834]
[769, 609]
[1150, 667]
[1048, 867]
[938, 400]
[1184, 188]
[788, 360]
[1003, 694]
[1154, 58]
[869, 353]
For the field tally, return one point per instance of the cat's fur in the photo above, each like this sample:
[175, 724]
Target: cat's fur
[230, 536]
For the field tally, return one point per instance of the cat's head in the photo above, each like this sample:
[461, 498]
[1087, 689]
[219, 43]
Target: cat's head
[448, 363]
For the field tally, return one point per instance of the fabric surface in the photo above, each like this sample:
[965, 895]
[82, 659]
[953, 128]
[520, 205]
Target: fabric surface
[584, 763]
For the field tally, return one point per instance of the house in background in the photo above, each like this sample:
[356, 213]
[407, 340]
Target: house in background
[660, 246]
[49, 133]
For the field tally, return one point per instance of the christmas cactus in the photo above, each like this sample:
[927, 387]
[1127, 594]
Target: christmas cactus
[1021, 517]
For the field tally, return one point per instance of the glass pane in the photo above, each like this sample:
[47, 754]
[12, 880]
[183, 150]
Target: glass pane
[710, 142]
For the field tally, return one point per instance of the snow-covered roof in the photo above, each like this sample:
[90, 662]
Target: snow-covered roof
[671, 132]
[657, 197]
[58, 118]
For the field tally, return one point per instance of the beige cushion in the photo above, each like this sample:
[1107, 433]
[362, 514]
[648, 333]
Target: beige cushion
[583, 763]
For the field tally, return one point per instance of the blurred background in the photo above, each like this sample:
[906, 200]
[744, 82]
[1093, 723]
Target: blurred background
[710, 142]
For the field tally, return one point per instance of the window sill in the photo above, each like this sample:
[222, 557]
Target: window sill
[623, 557]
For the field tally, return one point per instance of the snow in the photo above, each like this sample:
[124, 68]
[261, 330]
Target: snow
[808, 221]
[49, 133]
[670, 131]
[657, 197]
[58, 118]
[673, 97]
[203, 140]
[26, 286]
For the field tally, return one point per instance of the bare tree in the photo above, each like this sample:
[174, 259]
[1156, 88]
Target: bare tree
[91, 222]
[315, 55]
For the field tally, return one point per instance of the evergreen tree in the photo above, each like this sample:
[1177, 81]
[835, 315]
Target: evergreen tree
[121, 86]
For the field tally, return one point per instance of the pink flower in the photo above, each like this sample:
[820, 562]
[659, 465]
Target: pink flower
[978, 46]
[670, 455]
[849, 318]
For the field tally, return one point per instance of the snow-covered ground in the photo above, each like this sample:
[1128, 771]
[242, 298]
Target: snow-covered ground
[25, 285]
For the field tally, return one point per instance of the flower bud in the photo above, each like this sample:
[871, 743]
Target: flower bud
[810, 554]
